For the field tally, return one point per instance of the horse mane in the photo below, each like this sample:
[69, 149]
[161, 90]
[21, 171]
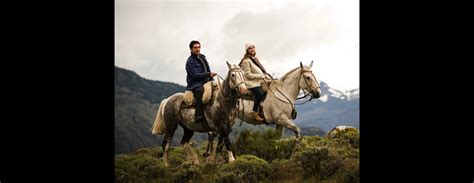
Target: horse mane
[225, 89]
[293, 70]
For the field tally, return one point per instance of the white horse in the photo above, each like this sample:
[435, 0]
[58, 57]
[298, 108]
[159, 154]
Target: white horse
[280, 99]
[220, 115]
[279, 102]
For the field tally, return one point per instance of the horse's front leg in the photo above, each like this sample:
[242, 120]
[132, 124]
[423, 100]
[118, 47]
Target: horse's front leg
[210, 145]
[228, 147]
[224, 131]
[220, 143]
[287, 123]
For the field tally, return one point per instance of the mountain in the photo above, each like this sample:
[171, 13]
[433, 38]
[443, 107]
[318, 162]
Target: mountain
[333, 108]
[137, 100]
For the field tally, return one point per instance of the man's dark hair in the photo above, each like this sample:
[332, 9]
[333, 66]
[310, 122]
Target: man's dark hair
[192, 43]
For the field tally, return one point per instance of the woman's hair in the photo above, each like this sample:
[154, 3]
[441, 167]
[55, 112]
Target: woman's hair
[246, 55]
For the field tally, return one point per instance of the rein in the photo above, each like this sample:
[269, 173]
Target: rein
[304, 91]
[241, 75]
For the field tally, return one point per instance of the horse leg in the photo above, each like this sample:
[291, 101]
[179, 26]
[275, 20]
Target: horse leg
[228, 147]
[188, 134]
[279, 130]
[287, 123]
[224, 130]
[169, 132]
[220, 143]
[210, 144]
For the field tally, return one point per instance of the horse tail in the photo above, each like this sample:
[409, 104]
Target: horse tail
[159, 125]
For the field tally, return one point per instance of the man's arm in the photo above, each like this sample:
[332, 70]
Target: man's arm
[212, 74]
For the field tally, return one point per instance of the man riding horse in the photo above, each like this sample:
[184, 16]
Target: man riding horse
[198, 73]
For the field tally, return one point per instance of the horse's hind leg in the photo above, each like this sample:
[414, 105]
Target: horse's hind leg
[169, 132]
[210, 145]
[279, 130]
[188, 134]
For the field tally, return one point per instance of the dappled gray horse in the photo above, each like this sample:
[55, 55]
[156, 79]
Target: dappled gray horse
[279, 101]
[220, 114]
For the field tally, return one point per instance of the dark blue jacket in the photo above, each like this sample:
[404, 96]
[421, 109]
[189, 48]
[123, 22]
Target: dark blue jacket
[196, 72]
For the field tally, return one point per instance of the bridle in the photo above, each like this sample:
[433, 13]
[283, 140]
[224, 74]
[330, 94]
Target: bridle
[288, 101]
[239, 74]
[306, 93]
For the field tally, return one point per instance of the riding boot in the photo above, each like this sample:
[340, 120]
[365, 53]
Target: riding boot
[257, 116]
[199, 113]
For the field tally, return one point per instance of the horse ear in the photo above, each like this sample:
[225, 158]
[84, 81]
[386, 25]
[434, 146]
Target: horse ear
[301, 65]
[311, 65]
[228, 65]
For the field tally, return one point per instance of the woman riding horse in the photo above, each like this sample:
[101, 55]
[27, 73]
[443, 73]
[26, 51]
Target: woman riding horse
[254, 73]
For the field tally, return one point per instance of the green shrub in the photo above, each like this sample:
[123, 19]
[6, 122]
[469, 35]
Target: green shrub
[139, 168]
[315, 159]
[187, 172]
[153, 152]
[319, 163]
[349, 172]
[282, 170]
[265, 145]
[125, 171]
[176, 156]
[351, 138]
[246, 168]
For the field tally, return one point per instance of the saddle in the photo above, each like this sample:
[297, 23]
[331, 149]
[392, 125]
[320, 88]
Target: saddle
[209, 88]
[265, 84]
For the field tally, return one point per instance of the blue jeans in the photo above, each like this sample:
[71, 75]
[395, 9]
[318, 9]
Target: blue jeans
[258, 93]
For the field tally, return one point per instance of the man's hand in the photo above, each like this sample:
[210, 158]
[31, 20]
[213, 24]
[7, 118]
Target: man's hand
[212, 74]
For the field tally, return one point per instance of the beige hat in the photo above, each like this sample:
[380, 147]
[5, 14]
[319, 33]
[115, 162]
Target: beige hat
[247, 45]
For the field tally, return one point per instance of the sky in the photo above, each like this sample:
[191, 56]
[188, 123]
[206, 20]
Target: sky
[152, 36]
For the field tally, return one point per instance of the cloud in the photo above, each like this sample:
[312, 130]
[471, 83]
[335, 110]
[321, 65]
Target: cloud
[152, 37]
[279, 33]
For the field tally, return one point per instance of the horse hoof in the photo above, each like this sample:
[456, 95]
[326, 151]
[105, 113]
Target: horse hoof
[206, 155]
[210, 158]
[299, 140]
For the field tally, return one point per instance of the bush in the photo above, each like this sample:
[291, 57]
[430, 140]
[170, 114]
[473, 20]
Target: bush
[351, 138]
[139, 168]
[153, 152]
[319, 163]
[349, 172]
[348, 137]
[247, 168]
[283, 170]
[186, 172]
[125, 171]
[265, 145]
[177, 156]
[315, 159]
